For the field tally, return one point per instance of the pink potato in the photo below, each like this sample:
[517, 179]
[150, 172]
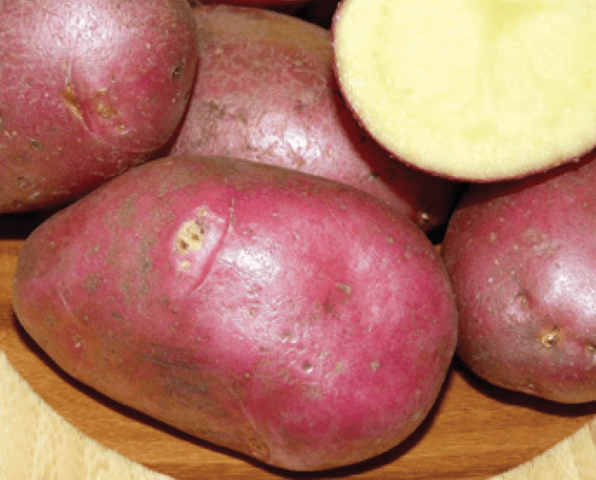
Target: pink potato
[522, 262]
[87, 89]
[294, 319]
[266, 92]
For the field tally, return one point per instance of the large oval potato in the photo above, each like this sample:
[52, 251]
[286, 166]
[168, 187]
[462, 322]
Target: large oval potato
[87, 89]
[290, 318]
[522, 262]
[266, 92]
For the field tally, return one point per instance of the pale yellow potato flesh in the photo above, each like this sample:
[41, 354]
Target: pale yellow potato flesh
[477, 90]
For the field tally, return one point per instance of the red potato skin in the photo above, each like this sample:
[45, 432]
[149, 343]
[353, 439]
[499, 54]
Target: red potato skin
[266, 92]
[293, 319]
[87, 89]
[522, 263]
[288, 7]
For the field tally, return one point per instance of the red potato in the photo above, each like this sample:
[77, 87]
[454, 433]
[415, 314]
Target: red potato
[296, 320]
[265, 92]
[87, 89]
[522, 262]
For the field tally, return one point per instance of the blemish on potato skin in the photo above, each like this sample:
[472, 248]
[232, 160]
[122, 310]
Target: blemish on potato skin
[91, 282]
[258, 448]
[23, 182]
[177, 72]
[105, 111]
[531, 388]
[34, 196]
[126, 211]
[551, 337]
[374, 366]
[190, 236]
[591, 349]
[117, 316]
[287, 336]
[36, 144]
[522, 299]
[185, 265]
[307, 367]
[71, 101]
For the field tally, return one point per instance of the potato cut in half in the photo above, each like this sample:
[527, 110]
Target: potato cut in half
[478, 90]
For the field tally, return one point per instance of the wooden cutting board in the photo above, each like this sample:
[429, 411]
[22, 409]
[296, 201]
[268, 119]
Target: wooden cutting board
[475, 431]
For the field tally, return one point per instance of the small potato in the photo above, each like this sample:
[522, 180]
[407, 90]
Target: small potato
[296, 320]
[87, 89]
[266, 92]
[522, 262]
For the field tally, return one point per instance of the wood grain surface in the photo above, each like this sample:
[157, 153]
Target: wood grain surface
[475, 430]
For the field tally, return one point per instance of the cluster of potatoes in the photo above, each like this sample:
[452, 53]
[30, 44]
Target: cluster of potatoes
[274, 224]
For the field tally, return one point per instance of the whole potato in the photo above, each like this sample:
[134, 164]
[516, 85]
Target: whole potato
[87, 89]
[522, 260]
[293, 319]
[266, 92]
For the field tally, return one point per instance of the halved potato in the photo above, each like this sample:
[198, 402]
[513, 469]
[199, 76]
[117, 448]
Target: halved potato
[478, 90]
